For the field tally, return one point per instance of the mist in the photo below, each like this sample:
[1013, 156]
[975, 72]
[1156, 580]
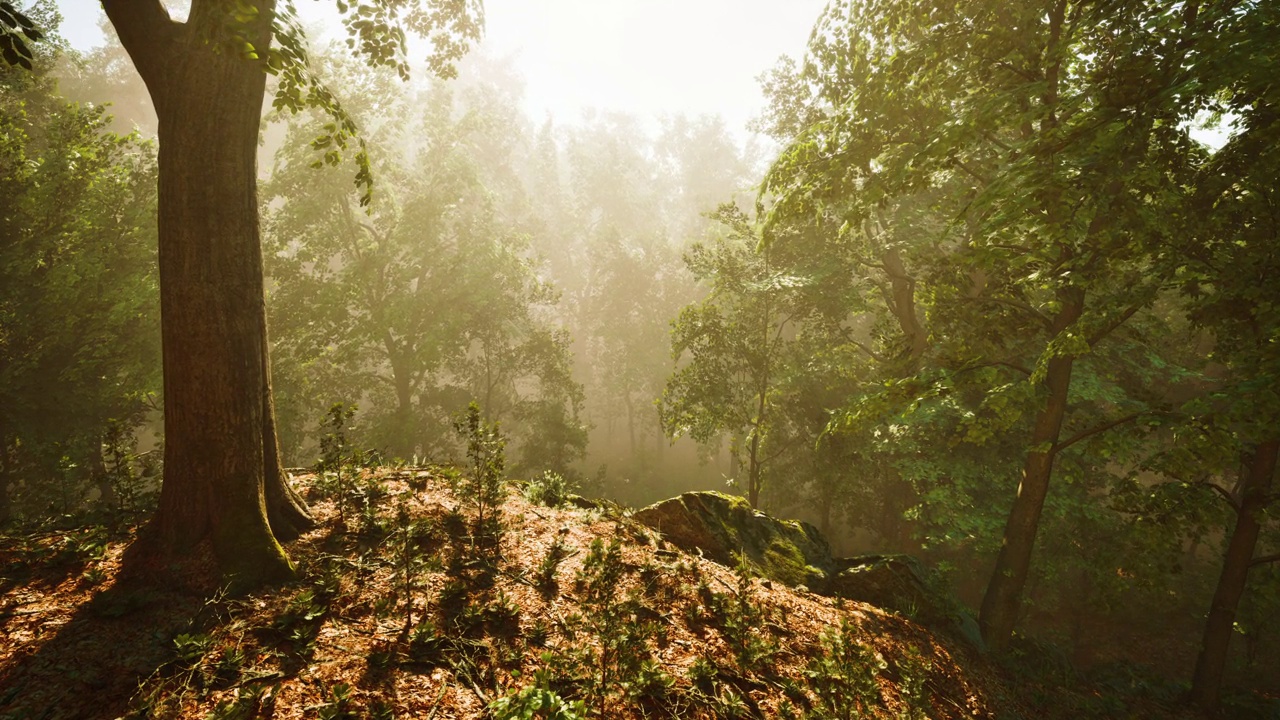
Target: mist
[982, 287]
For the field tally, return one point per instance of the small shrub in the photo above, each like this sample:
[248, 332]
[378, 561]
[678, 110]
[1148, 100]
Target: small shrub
[339, 705]
[550, 489]
[741, 620]
[545, 579]
[336, 456]
[191, 648]
[913, 670]
[843, 676]
[483, 486]
[536, 701]
[408, 559]
[616, 621]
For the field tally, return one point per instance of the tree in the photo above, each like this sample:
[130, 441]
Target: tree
[1230, 265]
[1040, 233]
[432, 298]
[16, 30]
[79, 342]
[735, 342]
[207, 79]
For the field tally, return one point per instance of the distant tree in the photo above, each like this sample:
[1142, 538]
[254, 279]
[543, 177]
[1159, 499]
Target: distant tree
[433, 294]
[731, 348]
[624, 252]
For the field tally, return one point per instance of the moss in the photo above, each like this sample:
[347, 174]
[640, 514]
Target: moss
[785, 563]
[723, 525]
[248, 554]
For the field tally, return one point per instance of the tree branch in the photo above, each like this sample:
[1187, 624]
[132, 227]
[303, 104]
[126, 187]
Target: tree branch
[148, 34]
[1264, 559]
[965, 167]
[1226, 495]
[1016, 248]
[1102, 333]
[1092, 431]
[999, 363]
[1018, 305]
[997, 141]
[846, 334]
[785, 447]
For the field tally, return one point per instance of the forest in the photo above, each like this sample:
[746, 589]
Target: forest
[307, 326]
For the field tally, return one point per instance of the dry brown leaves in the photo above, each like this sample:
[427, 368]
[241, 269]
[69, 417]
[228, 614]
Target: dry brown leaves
[79, 641]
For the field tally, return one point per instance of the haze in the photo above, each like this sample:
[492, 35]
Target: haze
[953, 282]
[643, 57]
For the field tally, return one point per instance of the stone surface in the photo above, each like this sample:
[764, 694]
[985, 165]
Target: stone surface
[903, 584]
[721, 526]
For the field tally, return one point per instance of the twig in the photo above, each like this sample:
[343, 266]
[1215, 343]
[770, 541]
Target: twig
[19, 613]
[439, 697]
[1226, 495]
[1264, 559]
[1091, 432]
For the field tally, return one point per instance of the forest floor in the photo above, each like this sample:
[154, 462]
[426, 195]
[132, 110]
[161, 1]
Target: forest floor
[409, 606]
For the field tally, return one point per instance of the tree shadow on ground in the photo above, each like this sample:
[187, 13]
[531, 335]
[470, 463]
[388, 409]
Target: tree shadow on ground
[85, 660]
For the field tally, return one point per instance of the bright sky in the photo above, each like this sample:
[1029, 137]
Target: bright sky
[646, 57]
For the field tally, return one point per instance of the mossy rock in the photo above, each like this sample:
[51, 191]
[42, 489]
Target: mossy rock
[795, 553]
[721, 526]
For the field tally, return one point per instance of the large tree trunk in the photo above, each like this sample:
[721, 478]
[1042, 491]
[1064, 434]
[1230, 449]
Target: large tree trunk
[222, 467]
[1218, 629]
[900, 297]
[1003, 598]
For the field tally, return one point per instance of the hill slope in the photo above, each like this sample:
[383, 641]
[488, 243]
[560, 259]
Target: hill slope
[411, 603]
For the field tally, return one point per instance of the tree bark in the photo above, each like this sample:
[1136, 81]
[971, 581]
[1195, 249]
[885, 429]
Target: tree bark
[753, 470]
[222, 460]
[1210, 664]
[402, 435]
[6, 505]
[1003, 598]
[902, 303]
[287, 512]
[98, 475]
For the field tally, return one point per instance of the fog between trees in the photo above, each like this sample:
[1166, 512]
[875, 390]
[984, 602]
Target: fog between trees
[991, 306]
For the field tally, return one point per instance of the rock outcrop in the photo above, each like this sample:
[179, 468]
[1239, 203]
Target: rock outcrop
[721, 527]
[903, 584]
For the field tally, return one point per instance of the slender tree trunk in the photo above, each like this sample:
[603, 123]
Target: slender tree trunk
[222, 460]
[754, 463]
[631, 428]
[1212, 661]
[767, 348]
[402, 439]
[488, 382]
[824, 513]
[753, 471]
[98, 473]
[1003, 598]
[6, 505]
